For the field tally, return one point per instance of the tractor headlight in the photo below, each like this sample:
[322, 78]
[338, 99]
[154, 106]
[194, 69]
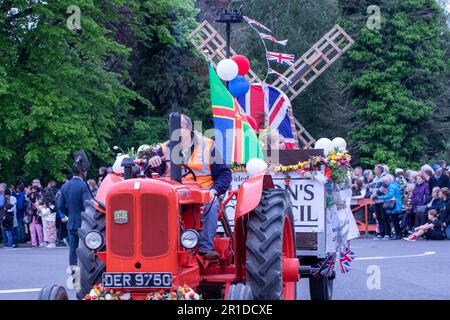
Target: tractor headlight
[93, 240]
[189, 239]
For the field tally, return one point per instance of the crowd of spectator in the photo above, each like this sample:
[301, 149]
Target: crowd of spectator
[406, 205]
[29, 214]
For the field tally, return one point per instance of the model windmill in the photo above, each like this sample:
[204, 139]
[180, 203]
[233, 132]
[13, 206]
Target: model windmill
[295, 79]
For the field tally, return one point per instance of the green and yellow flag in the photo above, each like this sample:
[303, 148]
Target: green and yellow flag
[238, 141]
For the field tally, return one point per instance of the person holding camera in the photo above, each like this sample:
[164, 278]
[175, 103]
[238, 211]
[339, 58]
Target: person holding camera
[35, 225]
[392, 203]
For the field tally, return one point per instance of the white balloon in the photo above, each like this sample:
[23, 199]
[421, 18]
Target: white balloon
[227, 69]
[325, 144]
[256, 166]
[339, 143]
[117, 166]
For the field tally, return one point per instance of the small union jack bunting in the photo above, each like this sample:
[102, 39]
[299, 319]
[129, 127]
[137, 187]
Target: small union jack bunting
[345, 257]
[271, 71]
[256, 23]
[273, 39]
[281, 58]
[328, 266]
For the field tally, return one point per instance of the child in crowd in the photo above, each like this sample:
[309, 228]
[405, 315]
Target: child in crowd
[431, 230]
[48, 214]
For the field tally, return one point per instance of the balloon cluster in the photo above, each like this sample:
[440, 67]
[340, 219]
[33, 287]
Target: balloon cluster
[328, 145]
[182, 293]
[234, 70]
[99, 292]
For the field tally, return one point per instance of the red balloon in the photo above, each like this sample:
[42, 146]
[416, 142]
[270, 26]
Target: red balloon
[243, 64]
[252, 123]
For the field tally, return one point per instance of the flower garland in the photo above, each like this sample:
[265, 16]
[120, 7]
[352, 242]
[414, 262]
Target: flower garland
[337, 166]
[99, 292]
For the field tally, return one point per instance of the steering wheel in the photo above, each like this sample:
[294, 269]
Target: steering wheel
[189, 171]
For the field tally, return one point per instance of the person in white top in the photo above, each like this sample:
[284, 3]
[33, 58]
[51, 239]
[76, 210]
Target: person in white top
[48, 215]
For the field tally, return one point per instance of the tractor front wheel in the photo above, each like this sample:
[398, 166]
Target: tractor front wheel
[321, 288]
[91, 267]
[240, 291]
[53, 293]
[270, 238]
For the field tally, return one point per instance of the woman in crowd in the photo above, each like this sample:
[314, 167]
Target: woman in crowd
[357, 189]
[367, 177]
[419, 196]
[392, 214]
[410, 176]
[444, 213]
[428, 175]
[433, 202]
[36, 232]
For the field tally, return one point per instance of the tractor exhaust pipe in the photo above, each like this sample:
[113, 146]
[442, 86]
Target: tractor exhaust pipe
[175, 140]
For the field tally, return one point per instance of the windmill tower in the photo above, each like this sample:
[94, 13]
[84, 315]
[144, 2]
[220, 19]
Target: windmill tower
[208, 41]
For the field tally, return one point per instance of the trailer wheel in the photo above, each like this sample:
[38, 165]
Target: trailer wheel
[270, 237]
[321, 288]
[53, 293]
[91, 267]
[240, 291]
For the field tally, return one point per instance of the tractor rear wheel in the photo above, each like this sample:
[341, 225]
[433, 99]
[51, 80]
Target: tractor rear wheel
[270, 238]
[91, 267]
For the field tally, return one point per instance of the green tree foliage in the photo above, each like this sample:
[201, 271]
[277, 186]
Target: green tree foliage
[57, 93]
[391, 77]
[163, 65]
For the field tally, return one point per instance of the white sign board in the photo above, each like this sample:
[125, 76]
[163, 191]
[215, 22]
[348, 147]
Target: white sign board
[307, 197]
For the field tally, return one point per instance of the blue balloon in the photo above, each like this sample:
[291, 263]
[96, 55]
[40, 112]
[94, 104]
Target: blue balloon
[239, 86]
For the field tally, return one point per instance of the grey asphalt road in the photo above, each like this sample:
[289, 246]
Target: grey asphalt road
[383, 270]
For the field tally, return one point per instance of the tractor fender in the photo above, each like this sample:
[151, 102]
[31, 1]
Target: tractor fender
[249, 194]
[104, 188]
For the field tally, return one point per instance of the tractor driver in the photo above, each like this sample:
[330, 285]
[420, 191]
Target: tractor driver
[200, 155]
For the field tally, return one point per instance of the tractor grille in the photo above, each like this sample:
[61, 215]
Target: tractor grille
[121, 233]
[154, 224]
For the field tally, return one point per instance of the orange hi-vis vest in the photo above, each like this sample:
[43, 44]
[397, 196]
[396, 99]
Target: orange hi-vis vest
[199, 161]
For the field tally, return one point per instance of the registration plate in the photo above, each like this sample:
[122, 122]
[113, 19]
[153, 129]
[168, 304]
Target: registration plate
[137, 280]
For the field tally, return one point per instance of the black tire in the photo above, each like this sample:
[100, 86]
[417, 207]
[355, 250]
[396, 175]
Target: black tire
[53, 293]
[240, 291]
[91, 267]
[265, 243]
[321, 288]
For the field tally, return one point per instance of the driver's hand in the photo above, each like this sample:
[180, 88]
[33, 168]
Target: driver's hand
[212, 194]
[155, 161]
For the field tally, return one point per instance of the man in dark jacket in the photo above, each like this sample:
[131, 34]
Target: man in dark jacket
[200, 155]
[71, 201]
[375, 189]
[439, 179]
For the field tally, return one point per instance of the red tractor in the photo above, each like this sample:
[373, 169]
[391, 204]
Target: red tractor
[140, 235]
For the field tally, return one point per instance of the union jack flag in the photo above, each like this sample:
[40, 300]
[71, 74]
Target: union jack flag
[273, 39]
[281, 58]
[256, 23]
[345, 257]
[261, 101]
[328, 265]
